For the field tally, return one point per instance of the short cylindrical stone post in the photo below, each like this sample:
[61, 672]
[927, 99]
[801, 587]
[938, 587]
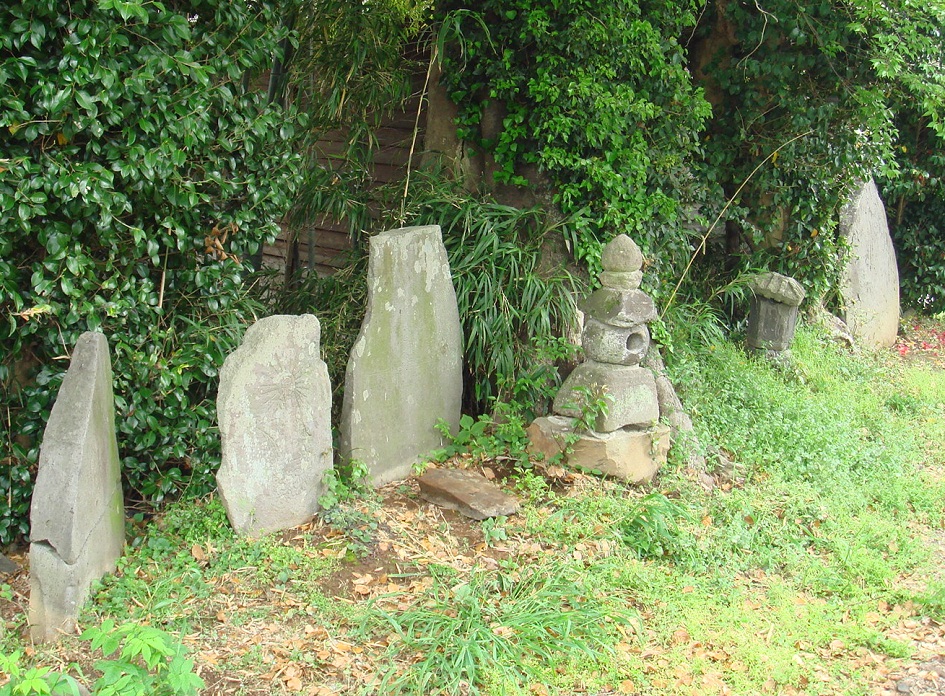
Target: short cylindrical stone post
[772, 316]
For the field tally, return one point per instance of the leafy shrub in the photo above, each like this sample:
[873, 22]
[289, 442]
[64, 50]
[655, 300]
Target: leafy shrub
[597, 95]
[920, 246]
[149, 662]
[139, 176]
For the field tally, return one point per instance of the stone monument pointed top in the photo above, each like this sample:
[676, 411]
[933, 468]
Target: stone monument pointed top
[621, 254]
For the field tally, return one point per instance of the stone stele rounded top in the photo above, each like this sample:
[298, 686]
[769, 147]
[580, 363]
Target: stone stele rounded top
[621, 254]
[779, 288]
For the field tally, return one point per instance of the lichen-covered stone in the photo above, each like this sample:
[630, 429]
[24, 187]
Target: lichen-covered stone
[621, 254]
[779, 288]
[77, 520]
[771, 324]
[621, 280]
[870, 283]
[615, 345]
[629, 391]
[274, 410]
[405, 369]
[623, 308]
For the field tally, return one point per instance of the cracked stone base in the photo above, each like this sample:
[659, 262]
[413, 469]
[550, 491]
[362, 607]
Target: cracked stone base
[631, 455]
[58, 590]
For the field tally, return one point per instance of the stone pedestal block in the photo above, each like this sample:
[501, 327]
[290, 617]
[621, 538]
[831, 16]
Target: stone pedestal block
[615, 345]
[630, 391]
[405, 369]
[770, 324]
[274, 410]
[623, 308]
[77, 520]
[621, 280]
[631, 455]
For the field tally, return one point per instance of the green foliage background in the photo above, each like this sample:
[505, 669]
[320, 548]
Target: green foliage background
[612, 101]
[597, 95]
[128, 135]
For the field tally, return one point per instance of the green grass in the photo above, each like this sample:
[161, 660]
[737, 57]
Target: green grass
[500, 626]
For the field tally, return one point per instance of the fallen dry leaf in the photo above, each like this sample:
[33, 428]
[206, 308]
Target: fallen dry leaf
[198, 553]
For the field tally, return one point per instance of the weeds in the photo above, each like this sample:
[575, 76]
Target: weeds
[651, 528]
[147, 662]
[497, 623]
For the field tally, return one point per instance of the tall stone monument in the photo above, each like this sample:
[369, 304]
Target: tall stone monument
[77, 516]
[274, 409]
[626, 441]
[405, 369]
[870, 283]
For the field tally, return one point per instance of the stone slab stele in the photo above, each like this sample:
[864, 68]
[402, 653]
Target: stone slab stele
[274, 410]
[870, 281]
[77, 516]
[632, 455]
[467, 492]
[404, 373]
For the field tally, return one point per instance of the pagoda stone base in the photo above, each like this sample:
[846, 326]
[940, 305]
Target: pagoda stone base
[630, 454]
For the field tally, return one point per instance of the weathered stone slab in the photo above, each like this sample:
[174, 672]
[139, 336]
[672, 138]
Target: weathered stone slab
[870, 283]
[405, 369]
[466, 492]
[274, 410]
[77, 520]
[630, 391]
[630, 455]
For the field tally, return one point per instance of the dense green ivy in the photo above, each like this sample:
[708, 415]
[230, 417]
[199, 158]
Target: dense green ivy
[596, 94]
[607, 99]
[139, 175]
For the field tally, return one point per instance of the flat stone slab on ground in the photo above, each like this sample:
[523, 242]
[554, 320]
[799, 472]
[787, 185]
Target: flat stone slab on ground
[7, 567]
[467, 492]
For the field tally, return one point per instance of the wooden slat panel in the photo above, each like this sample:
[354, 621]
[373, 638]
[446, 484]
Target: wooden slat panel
[331, 237]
